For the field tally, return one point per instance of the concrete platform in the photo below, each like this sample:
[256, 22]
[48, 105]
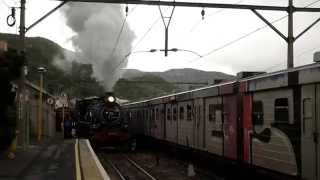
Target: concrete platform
[89, 167]
[52, 159]
[57, 159]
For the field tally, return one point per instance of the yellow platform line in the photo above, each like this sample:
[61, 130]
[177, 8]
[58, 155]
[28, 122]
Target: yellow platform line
[77, 159]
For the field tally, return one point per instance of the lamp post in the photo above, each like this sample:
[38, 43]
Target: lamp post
[41, 70]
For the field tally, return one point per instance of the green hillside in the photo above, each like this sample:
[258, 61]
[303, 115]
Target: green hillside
[78, 82]
[142, 87]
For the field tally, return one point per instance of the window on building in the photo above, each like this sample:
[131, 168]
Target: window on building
[174, 117]
[181, 113]
[189, 113]
[169, 114]
[211, 113]
[257, 113]
[281, 110]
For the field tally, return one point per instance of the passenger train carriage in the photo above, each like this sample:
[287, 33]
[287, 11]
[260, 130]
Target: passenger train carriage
[270, 120]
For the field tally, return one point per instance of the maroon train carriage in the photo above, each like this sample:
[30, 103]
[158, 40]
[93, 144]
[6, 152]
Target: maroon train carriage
[268, 121]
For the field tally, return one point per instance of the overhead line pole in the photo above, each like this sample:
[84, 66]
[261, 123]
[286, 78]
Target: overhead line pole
[21, 118]
[290, 55]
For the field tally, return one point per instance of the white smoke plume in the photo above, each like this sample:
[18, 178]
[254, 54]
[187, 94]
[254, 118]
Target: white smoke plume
[97, 26]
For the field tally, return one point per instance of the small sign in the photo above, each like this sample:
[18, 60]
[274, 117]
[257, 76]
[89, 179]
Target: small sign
[3, 46]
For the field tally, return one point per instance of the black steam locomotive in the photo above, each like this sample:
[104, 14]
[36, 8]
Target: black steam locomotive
[99, 120]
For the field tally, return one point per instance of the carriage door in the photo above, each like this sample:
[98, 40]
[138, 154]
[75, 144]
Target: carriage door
[310, 101]
[199, 123]
[175, 122]
[230, 126]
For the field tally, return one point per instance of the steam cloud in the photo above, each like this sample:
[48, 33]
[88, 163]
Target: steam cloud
[97, 27]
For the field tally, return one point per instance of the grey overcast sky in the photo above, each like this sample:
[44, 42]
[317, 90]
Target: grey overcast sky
[263, 50]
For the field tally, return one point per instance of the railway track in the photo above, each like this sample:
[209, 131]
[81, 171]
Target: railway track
[125, 168]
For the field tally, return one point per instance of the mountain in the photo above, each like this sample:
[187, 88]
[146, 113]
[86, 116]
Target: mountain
[181, 76]
[143, 87]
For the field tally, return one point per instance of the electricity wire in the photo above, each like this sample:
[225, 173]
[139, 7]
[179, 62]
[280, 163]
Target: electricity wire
[245, 36]
[211, 14]
[299, 55]
[139, 42]
[120, 33]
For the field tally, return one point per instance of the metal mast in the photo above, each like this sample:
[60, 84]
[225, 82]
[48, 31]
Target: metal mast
[291, 38]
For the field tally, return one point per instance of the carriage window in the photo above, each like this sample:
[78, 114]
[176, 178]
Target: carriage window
[307, 114]
[169, 114]
[211, 112]
[152, 114]
[281, 110]
[189, 111]
[174, 117]
[181, 113]
[157, 114]
[257, 113]
[138, 115]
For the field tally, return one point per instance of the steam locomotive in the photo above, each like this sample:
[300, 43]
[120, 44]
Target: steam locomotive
[99, 120]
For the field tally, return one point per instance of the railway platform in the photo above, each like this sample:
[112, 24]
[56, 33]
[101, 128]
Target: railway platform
[56, 158]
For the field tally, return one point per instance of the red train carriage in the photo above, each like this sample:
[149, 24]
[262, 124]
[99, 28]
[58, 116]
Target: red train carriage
[269, 121]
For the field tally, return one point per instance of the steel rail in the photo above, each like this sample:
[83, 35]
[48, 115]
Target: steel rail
[140, 168]
[116, 169]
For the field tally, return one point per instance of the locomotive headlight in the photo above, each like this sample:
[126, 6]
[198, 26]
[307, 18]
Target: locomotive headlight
[111, 99]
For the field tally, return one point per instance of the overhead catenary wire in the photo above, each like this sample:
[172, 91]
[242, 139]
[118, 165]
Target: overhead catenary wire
[245, 35]
[120, 32]
[139, 42]
[195, 25]
[216, 49]
[147, 32]
[299, 55]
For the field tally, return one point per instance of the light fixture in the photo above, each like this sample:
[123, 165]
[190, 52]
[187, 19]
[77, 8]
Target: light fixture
[111, 99]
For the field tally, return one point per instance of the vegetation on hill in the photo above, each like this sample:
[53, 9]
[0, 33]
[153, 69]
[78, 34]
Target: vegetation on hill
[142, 87]
[77, 82]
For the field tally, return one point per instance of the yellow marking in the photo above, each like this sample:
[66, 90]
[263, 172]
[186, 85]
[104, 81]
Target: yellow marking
[78, 170]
